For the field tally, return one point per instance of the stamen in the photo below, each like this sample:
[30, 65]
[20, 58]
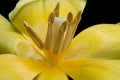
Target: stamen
[61, 37]
[78, 16]
[76, 22]
[56, 10]
[72, 26]
[33, 35]
[40, 52]
[48, 41]
[69, 31]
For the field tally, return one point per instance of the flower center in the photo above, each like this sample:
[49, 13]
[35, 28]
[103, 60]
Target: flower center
[59, 34]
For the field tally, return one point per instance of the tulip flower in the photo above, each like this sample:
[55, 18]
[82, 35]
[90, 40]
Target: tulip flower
[39, 44]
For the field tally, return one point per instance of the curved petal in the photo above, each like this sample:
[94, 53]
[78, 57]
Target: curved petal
[92, 69]
[15, 43]
[16, 68]
[73, 6]
[33, 14]
[18, 6]
[36, 13]
[99, 41]
[5, 24]
[118, 23]
[78, 4]
[52, 73]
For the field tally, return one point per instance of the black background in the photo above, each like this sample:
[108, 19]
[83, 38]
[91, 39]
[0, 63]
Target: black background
[95, 12]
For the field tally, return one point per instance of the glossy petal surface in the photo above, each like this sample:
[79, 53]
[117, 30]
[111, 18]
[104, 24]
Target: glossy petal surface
[52, 73]
[15, 43]
[17, 68]
[92, 69]
[99, 41]
[5, 24]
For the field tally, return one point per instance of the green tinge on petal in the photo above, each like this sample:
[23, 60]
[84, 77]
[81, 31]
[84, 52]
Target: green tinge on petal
[16, 68]
[118, 23]
[33, 14]
[78, 4]
[92, 69]
[66, 6]
[52, 73]
[99, 41]
[12, 42]
[5, 24]
[36, 13]
[18, 6]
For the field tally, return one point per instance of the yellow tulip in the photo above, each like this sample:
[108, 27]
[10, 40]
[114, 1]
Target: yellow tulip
[40, 44]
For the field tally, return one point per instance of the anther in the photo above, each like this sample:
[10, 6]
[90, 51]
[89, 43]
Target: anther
[78, 16]
[33, 35]
[56, 10]
[51, 18]
[69, 17]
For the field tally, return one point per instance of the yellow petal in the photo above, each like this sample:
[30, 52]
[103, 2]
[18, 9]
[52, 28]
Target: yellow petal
[66, 6]
[99, 41]
[118, 23]
[15, 43]
[18, 6]
[5, 24]
[36, 13]
[17, 68]
[52, 73]
[92, 69]
[78, 4]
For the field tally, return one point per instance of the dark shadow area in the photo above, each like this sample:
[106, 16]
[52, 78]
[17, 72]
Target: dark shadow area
[99, 11]
[6, 6]
[70, 78]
